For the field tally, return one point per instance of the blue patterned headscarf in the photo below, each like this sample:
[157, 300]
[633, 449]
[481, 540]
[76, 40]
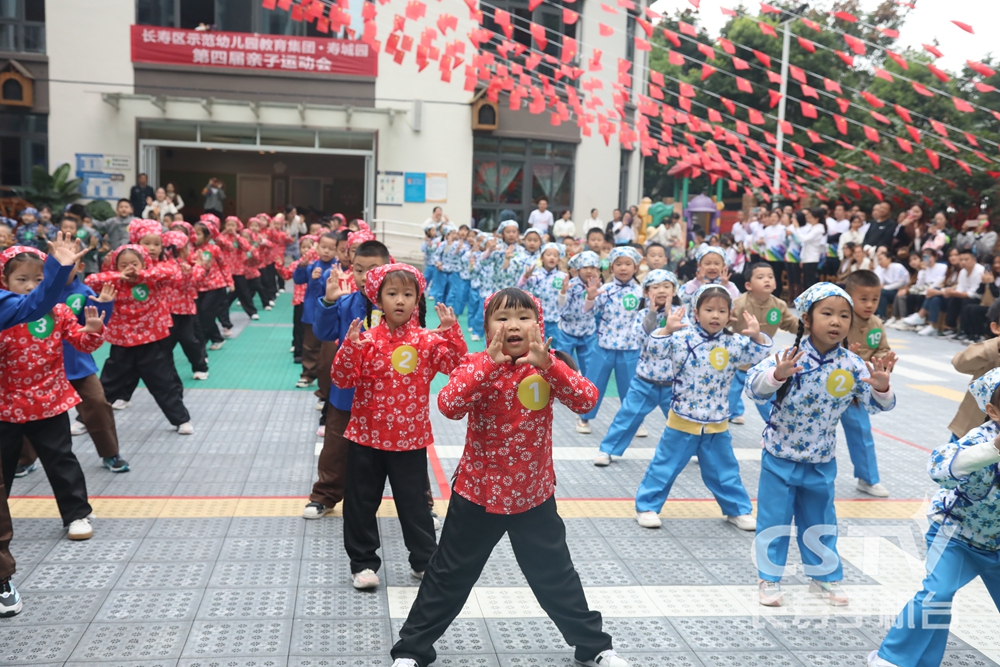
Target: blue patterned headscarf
[818, 292]
[584, 259]
[659, 276]
[706, 250]
[704, 288]
[984, 388]
[535, 230]
[624, 251]
[505, 224]
[558, 247]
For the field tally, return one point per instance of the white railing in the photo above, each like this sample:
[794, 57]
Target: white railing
[402, 237]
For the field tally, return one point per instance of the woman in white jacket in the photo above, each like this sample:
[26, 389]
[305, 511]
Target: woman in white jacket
[855, 234]
[810, 232]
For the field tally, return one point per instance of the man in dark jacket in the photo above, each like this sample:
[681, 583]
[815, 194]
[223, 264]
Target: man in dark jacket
[137, 195]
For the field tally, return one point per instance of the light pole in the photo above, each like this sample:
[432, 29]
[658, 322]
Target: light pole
[780, 136]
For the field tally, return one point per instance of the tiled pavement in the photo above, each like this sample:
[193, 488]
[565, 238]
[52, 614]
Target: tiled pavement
[199, 558]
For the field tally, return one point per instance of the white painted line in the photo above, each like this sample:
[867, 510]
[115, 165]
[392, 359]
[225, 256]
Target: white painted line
[588, 453]
[929, 363]
[916, 375]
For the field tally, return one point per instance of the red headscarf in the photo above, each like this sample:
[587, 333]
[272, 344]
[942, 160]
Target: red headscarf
[375, 278]
[538, 305]
[175, 239]
[113, 257]
[139, 228]
[15, 250]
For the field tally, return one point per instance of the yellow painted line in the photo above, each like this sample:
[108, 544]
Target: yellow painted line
[152, 508]
[940, 392]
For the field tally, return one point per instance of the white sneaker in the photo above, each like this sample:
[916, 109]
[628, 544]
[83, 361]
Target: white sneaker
[226, 333]
[915, 320]
[739, 421]
[928, 330]
[119, 404]
[404, 662]
[769, 594]
[319, 406]
[437, 521]
[200, 375]
[474, 337]
[875, 661]
[269, 304]
[316, 511]
[292, 349]
[267, 307]
[185, 429]
[281, 291]
[321, 432]
[641, 432]
[694, 460]
[217, 346]
[80, 529]
[877, 490]
[78, 428]
[648, 519]
[604, 659]
[582, 427]
[602, 459]
[892, 320]
[255, 316]
[416, 575]
[364, 579]
[743, 522]
[831, 591]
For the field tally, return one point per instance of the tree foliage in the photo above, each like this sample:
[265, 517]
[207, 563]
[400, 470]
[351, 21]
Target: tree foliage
[54, 190]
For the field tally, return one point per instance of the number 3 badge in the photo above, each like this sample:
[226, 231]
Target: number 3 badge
[41, 328]
[404, 359]
[533, 392]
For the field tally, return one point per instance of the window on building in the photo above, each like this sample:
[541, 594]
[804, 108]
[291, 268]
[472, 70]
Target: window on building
[22, 25]
[23, 144]
[548, 15]
[630, 26]
[510, 175]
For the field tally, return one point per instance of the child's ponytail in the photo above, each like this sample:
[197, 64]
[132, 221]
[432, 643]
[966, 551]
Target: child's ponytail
[422, 311]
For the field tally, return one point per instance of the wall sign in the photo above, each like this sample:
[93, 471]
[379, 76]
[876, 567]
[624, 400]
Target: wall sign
[416, 188]
[389, 190]
[437, 187]
[104, 176]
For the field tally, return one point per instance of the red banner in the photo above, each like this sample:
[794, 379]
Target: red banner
[171, 46]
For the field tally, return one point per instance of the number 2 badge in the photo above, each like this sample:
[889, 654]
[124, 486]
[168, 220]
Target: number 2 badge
[404, 359]
[840, 383]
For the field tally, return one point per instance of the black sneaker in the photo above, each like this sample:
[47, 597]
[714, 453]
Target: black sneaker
[10, 599]
[296, 360]
[22, 471]
[115, 464]
[316, 510]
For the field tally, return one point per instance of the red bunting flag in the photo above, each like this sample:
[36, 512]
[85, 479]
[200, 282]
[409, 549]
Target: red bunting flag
[932, 156]
[742, 128]
[844, 16]
[415, 10]
[569, 16]
[809, 91]
[642, 45]
[964, 26]
[605, 30]
[971, 139]
[843, 104]
[939, 128]
[706, 50]
[874, 157]
[904, 145]
[775, 97]
[656, 78]
[538, 32]
[899, 165]
[808, 110]
[729, 104]
[827, 161]
[755, 117]
[655, 92]
[811, 24]
[806, 44]
[939, 73]
[884, 75]
[880, 118]
[675, 58]
[898, 59]
[872, 100]
[714, 116]
[921, 89]
[797, 73]
[814, 136]
[727, 46]
[764, 59]
[672, 38]
[740, 64]
[903, 113]
[914, 133]
[743, 85]
[728, 12]
[962, 105]
[889, 32]
[773, 77]
[856, 45]
[841, 123]
[846, 57]
[595, 64]
[980, 68]
[832, 86]
[686, 90]
[933, 50]
[798, 149]
[871, 134]
[769, 9]
[687, 29]
[706, 71]
[950, 146]
[964, 167]
[767, 29]
[983, 87]
[568, 50]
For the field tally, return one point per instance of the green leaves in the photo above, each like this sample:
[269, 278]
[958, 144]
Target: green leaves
[54, 190]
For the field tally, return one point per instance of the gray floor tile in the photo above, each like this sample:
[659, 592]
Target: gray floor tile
[105, 642]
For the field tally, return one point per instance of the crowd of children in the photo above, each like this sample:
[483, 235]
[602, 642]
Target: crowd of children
[559, 317]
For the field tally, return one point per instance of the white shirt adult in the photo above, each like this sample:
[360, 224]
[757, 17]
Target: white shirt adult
[739, 234]
[893, 277]
[857, 237]
[932, 276]
[812, 238]
[541, 220]
[773, 238]
[563, 228]
[592, 223]
[969, 281]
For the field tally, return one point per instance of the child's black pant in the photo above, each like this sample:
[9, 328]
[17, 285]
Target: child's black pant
[210, 304]
[153, 363]
[269, 279]
[298, 330]
[367, 470]
[185, 331]
[538, 537]
[256, 286]
[241, 291]
[54, 444]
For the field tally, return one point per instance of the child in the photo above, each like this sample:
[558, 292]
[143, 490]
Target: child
[975, 360]
[500, 259]
[235, 248]
[528, 254]
[392, 366]
[505, 484]
[462, 278]
[35, 397]
[577, 326]
[614, 305]
[712, 270]
[701, 360]
[184, 307]
[650, 387]
[962, 539]
[139, 333]
[445, 262]
[546, 284]
[427, 247]
[772, 313]
[480, 283]
[333, 316]
[33, 233]
[310, 275]
[867, 339]
[307, 254]
[798, 467]
[256, 261]
[212, 299]
[94, 413]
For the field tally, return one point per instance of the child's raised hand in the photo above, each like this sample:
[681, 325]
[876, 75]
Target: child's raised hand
[675, 322]
[528, 271]
[317, 272]
[880, 370]
[593, 287]
[108, 293]
[130, 274]
[538, 350]
[333, 290]
[724, 276]
[752, 329]
[509, 252]
[565, 285]
[94, 320]
[447, 317]
[495, 348]
[354, 333]
[788, 363]
[66, 249]
[303, 261]
[855, 348]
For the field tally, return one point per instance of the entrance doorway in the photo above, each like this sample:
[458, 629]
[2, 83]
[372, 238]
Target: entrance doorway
[253, 194]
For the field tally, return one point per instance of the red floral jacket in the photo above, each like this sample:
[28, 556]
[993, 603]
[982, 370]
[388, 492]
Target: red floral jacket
[234, 249]
[507, 463]
[218, 275]
[33, 381]
[183, 294]
[392, 373]
[142, 308]
[276, 251]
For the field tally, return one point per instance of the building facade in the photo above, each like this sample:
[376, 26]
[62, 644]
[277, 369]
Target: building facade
[284, 114]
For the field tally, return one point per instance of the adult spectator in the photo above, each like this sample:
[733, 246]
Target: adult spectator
[139, 192]
[174, 196]
[593, 221]
[936, 238]
[623, 231]
[964, 292]
[882, 229]
[974, 321]
[437, 218]
[893, 277]
[930, 275]
[564, 227]
[976, 235]
[852, 234]
[160, 208]
[215, 197]
[812, 239]
[115, 230]
[541, 217]
[855, 259]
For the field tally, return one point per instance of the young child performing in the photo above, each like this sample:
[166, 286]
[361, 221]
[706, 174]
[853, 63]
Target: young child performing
[962, 541]
[701, 360]
[578, 327]
[546, 284]
[505, 484]
[975, 360]
[712, 270]
[35, 397]
[212, 299]
[772, 313]
[310, 274]
[614, 305]
[867, 339]
[650, 387]
[392, 366]
[798, 467]
[333, 316]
